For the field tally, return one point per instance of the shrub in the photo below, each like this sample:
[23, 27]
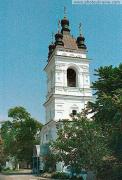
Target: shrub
[7, 169]
[60, 175]
[110, 171]
[117, 172]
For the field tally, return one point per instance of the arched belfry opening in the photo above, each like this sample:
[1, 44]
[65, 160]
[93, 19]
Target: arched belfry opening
[71, 77]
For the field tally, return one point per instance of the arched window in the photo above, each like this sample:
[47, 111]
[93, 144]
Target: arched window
[71, 77]
[74, 112]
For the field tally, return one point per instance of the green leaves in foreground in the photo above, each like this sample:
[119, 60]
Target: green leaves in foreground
[81, 143]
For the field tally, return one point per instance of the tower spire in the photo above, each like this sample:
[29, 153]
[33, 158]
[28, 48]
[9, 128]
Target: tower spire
[51, 46]
[59, 36]
[52, 37]
[65, 23]
[80, 28]
[80, 38]
[65, 11]
[59, 26]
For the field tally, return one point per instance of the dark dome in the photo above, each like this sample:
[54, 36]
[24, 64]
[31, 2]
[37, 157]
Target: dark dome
[80, 38]
[80, 42]
[64, 21]
[59, 39]
[65, 25]
[51, 46]
[58, 35]
[51, 49]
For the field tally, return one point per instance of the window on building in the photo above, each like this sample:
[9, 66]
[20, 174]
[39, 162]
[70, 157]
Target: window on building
[71, 78]
[46, 137]
[74, 112]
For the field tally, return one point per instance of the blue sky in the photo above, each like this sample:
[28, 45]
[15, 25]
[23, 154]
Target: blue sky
[25, 33]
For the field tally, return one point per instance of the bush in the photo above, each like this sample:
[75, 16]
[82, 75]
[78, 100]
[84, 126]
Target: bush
[60, 175]
[110, 171]
[7, 169]
[117, 172]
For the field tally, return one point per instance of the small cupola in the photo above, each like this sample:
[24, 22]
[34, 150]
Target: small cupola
[59, 37]
[51, 47]
[81, 40]
[65, 24]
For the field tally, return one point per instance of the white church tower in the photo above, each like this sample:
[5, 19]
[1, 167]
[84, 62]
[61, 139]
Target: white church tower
[68, 79]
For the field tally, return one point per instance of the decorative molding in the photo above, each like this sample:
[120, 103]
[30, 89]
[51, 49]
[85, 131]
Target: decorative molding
[71, 54]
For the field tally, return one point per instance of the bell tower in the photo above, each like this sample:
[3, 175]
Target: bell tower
[68, 78]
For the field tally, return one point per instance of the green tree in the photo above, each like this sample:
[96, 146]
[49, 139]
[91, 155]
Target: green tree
[107, 110]
[20, 134]
[2, 153]
[81, 143]
[108, 89]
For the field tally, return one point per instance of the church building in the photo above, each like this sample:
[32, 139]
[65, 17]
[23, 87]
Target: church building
[68, 80]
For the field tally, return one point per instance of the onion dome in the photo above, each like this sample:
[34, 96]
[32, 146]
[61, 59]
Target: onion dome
[51, 49]
[59, 39]
[65, 25]
[80, 42]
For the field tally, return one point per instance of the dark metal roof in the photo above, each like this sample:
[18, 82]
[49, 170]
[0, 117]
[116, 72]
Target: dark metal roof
[69, 42]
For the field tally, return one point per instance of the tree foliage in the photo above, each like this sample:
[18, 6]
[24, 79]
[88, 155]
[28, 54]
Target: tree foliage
[107, 111]
[2, 153]
[81, 143]
[20, 134]
[108, 87]
[108, 105]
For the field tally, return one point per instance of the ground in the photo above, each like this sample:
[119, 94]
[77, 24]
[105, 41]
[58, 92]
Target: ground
[22, 175]
[17, 177]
